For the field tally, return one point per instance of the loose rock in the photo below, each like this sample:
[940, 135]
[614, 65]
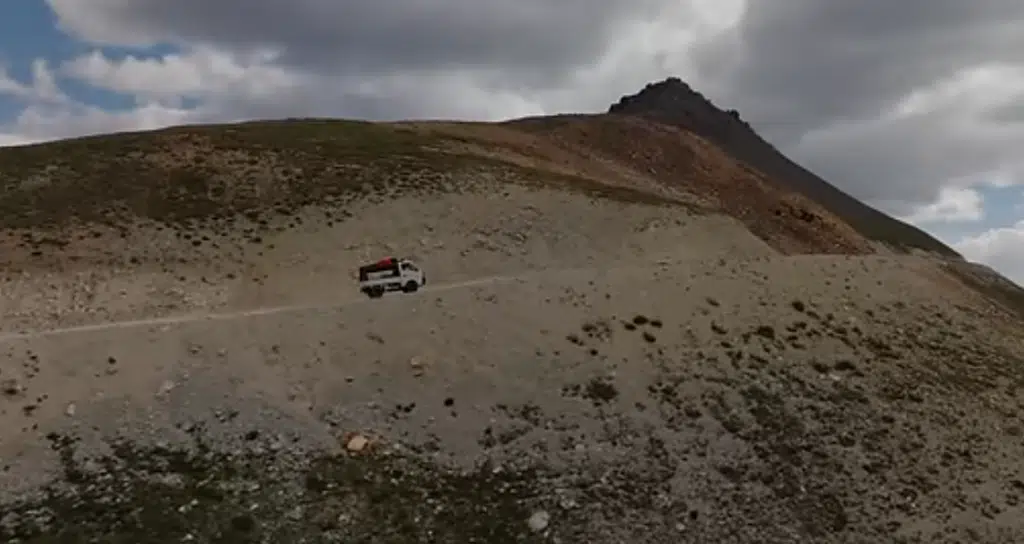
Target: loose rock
[539, 521]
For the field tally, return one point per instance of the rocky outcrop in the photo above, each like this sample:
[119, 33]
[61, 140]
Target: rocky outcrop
[674, 102]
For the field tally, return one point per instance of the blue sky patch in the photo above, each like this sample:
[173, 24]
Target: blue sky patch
[1003, 205]
[28, 30]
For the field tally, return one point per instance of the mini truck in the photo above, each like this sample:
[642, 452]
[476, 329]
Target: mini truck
[390, 274]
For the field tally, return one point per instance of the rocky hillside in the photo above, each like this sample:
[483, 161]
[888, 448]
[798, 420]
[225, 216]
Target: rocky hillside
[631, 334]
[213, 201]
[666, 143]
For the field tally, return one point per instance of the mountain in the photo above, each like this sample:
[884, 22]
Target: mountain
[631, 333]
[674, 102]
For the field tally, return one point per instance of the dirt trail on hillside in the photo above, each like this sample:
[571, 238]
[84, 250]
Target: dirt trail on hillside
[241, 314]
[774, 399]
[456, 237]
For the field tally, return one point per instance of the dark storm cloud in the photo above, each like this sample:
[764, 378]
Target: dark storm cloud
[1008, 112]
[807, 72]
[538, 40]
[906, 160]
[803, 63]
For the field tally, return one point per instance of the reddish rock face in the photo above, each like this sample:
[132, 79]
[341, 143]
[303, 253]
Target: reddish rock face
[673, 102]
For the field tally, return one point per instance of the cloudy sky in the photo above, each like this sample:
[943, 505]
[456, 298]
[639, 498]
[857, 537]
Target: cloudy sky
[915, 106]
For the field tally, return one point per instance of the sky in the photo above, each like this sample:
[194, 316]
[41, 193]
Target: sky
[916, 106]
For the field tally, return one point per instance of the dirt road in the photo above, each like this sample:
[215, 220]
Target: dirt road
[240, 314]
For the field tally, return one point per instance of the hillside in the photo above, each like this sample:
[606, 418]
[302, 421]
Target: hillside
[631, 333]
[673, 102]
[217, 175]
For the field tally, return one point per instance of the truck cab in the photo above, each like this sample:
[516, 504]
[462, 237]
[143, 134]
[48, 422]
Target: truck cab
[390, 274]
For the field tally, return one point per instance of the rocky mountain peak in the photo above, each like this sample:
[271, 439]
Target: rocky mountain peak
[673, 100]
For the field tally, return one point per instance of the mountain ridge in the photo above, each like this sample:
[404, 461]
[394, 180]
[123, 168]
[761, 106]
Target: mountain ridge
[674, 102]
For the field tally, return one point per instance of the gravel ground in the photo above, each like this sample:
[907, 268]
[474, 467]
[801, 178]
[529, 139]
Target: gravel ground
[768, 399]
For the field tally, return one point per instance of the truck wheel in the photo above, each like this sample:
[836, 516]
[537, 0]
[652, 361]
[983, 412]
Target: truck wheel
[411, 287]
[376, 292]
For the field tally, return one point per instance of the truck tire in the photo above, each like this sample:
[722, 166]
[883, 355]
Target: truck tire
[411, 287]
[375, 292]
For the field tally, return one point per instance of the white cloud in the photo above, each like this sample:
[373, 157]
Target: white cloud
[1001, 248]
[201, 73]
[955, 204]
[975, 89]
[235, 83]
[39, 123]
[41, 88]
[12, 140]
[937, 136]
[159, 86]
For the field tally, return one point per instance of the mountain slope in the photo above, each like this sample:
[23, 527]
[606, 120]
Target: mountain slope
[218, 175]
[628, 335]
[673, 101]
[143, 204]
[774, 399]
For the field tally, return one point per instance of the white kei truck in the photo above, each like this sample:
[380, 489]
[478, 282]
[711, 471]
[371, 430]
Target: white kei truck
[391, 274]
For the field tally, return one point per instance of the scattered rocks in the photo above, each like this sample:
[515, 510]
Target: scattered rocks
[10, 387]
[417, 365]
[166, 387]
[600, 391]
[539, 521]
[357, 443]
